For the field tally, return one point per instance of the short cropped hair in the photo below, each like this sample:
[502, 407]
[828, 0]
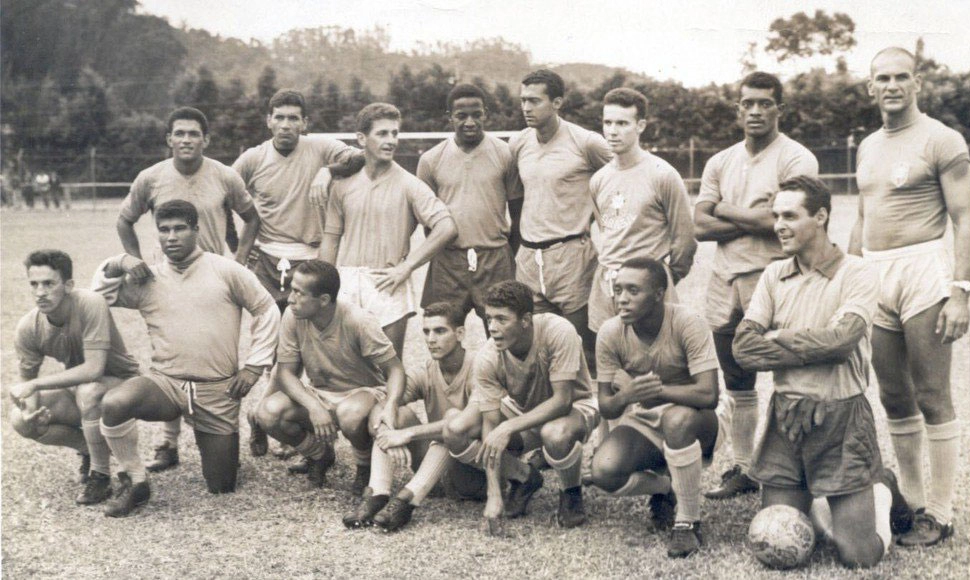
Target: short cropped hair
[893, 50]
[763, 80]
[375, 112]
[465, 91]
[627, 98]
[188, 114]
[55, 260]
[324, 277]
[177, 208]
[510, 294]
[447, 310]
[656, 270]
[555, 87]
[288, 97]
[817, 195]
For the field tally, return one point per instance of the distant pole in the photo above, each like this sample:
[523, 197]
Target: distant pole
[94, 178]
[849, 144]
[690, 170]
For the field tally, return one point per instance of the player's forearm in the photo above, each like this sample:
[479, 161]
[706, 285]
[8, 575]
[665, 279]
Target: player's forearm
[515, 216]
[682, 257]
[855, 239]
[611, 403]
[329, 248]
[701, 394]
[86, 372]
[265, 329]
[428, 432]
[757, 220]
[552, 408]
[824, 345]
[708, 228]
[290, 384]
[396, 378]
[129, 239]
[443, 233]
[247, 237]
[961, 249]
[754, 352]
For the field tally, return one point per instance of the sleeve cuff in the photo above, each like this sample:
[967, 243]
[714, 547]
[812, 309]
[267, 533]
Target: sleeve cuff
[703, 366]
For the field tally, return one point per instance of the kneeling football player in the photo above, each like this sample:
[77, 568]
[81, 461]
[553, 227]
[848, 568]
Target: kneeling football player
[665, 406]
[444, 384]
[531, 388]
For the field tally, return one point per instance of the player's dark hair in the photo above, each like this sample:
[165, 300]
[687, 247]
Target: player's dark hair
[894, 50]
[177, 208]
[54, 259]
[465, 91]
[627, 98]
[763, 80]
[656, 270]
[325, 278]
[817, 195]
[288, 97]
[555, 87]
[510, 294]
[447, 310]
[375, 112]
[188, 114]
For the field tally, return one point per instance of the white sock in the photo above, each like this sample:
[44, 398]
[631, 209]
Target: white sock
[433, 466]
[906, 435]
[170, 433]
[97, 446]
[744, 423]
[311, 447]
[685, 479]
[568, 468]
[643, 483]
[944, 448]
[123, 441]
[381, 472]
[821, 515]
[883, 500]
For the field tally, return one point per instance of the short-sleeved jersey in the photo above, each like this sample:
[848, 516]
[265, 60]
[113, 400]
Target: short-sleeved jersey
[476, 187]
[644, 211]
[345, 355]
[280, 186]
[555, 177]
[213, 189]
[375, 218]
[556, 355]
[426, 383]
[899, 179]
[750, 181]
[788, 298]
[89, 326]
[193, 310]
[682, 349]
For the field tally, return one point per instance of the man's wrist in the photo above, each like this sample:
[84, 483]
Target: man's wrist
[960, 289]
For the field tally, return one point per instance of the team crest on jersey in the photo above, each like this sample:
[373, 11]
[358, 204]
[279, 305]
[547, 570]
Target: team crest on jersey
[900, 174]
[617, 217]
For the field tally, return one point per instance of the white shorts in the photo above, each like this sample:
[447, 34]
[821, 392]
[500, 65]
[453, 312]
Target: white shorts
[588, 408]
[334, 398]
[647, 423]
[911, 279]
[357, 285]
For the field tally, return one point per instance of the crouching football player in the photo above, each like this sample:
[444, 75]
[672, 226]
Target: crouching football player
[809, 321]
[444, 384]
[666, 406]
[531, 388]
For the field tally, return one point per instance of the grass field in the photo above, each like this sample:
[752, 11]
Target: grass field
[276, 526]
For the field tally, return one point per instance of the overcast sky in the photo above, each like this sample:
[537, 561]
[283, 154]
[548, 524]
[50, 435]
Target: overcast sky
[692, 41]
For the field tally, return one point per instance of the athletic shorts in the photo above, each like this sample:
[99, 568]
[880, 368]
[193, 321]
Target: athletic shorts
[276, 282]
[205, 405]
[601, 306]
[334, 398]
[647, 423]
[728, 300]
[911, 279]
[357, 286]
[562, 281]
[588, 408]
[458, 277]
[838, 457]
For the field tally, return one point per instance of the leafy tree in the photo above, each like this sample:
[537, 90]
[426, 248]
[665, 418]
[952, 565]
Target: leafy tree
[800, 35]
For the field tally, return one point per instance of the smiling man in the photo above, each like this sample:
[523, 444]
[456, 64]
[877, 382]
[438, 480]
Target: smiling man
[370, 219]
[192, 304]
[474, 174]
[734, 210]
[641, 205]
[74, 327]
[912, 174]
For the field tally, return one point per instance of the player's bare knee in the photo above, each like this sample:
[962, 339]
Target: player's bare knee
[456, 434]
[558, 436]
[935, 405]
[352, 414]
[271, 410]
[115, 407]
[89, 396]
[855, 552]
[679, 425]
[605, 474]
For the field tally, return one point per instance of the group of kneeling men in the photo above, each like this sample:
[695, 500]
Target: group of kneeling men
[328, 294]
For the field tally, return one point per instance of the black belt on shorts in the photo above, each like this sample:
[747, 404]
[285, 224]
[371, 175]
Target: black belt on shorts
[550, 243]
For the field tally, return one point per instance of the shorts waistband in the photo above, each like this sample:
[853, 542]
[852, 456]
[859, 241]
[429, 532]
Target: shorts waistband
[550, 243]
[930, 247]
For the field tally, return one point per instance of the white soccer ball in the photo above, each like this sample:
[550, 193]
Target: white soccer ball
[781, 537]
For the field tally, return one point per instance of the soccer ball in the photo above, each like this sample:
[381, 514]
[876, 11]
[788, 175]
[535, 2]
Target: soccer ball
[781, 537]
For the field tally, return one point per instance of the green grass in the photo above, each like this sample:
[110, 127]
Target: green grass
[276, 526]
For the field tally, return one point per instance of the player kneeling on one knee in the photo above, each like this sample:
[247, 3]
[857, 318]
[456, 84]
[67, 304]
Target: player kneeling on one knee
[75, 327]
[444, 384]
[664, 402]
[348, 360]
[809, 321]
[531, 389]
